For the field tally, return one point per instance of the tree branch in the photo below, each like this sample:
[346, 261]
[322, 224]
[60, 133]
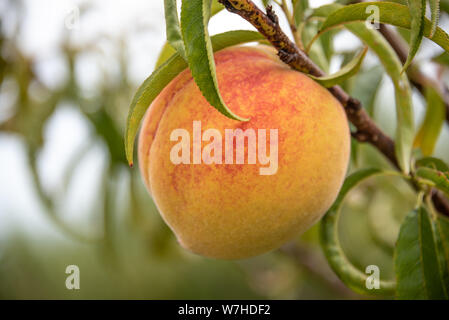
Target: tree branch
[367, 131]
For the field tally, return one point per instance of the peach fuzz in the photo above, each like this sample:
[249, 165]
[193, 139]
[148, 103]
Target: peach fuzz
[230, 211]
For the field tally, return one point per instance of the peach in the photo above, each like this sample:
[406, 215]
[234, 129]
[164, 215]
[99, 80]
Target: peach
[231, 210]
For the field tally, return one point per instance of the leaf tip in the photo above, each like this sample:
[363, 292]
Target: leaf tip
[244, 119]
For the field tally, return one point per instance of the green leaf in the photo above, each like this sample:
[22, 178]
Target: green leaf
[336, 16]
[417, 17]
[404, 109]
[444, 228]
[266, 3]
[444, 5]
[316, 53]
[325, 10]
[146, 93]
[157, 81]
[365, 87]
[441, 226]
[344, 73]
[173, 29]
[328, 44]
[442, 58]
[106, 128]
[216, 7]
[348, 273]
[355, 152]
[435, 14]
[166, 52]
[433, 163]
[327, 37]
[299, 7]
[417, 265]
[433, 122]
[194, 19]
[439, 178]
[389, 13]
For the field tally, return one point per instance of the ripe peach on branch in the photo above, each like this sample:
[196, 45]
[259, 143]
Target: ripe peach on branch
[229, 210]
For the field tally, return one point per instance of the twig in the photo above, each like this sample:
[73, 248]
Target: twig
[367, 131]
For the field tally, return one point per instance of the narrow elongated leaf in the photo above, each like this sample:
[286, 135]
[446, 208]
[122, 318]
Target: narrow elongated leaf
[347, 272]
[433, 122]
[216, 7]
[194, 19]
[435, 14]
[444, 228]
[154, 84]
[439, 178]
[417, 20]
[344, 73]
[366, 85]
[441, 226]
[166, 52]
[355, 152]
[389, 13]
[327, 42]
[442, 58]
[106, 128]
[433, 163]
[173, 29]
[317, 53]
[299, 7]
[444, 5]
[146, 93]
[325, 10]
[391, 63]
[404, 110]
[417, 266]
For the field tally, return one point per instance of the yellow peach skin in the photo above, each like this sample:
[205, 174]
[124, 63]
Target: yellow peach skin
[230, 211]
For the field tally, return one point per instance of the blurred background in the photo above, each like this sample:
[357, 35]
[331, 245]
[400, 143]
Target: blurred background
[68, 70]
